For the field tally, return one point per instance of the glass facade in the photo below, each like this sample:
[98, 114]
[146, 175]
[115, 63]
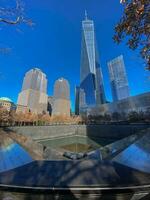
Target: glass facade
[91, 80]
[118, 79]
[77, 96]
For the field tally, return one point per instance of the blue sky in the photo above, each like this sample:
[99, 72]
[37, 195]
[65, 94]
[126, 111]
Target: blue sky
[53, 45]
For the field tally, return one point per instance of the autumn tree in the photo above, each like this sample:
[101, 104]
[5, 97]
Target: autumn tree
[4, 116]
[135, 25]
[133, 116]
[46, 118]
[13, 117]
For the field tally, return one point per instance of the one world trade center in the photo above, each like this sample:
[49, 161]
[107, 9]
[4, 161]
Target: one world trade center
[91, 79]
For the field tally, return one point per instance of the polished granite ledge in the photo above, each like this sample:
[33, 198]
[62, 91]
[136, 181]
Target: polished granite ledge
[74, 195]
[56, 175]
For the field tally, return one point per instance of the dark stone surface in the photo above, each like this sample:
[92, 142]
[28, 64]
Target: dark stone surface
[102, 131]
[86, 179]
[69, 174]
[67, 195]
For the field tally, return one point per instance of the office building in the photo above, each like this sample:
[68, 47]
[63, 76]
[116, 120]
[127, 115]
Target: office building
[118, 79]
[91, 79]
[22, 109]
[7, 104]
[61, 105]
[50, 104]
[34, 91]
[136, 103]
[77, 98]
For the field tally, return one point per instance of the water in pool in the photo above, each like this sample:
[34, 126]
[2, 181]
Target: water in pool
[76, 143]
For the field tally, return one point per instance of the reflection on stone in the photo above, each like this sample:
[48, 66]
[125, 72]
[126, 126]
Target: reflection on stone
[137, 155]
[12, 155]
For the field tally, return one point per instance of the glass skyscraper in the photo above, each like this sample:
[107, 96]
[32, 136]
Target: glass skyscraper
[118, 79]
[77, 97]
[91, 79]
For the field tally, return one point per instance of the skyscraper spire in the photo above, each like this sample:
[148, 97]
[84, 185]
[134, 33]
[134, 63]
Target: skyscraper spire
[86, 16]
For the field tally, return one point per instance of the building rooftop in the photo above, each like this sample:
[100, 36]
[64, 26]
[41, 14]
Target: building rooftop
[37, 69]
[5, 99]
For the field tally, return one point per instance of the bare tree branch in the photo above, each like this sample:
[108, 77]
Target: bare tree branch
[17, 21]
[14, 16]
